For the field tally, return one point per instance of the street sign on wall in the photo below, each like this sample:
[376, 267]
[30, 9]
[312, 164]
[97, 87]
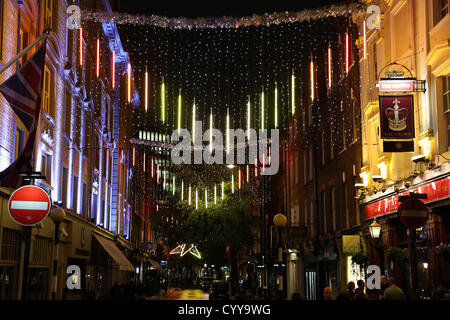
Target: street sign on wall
[397, 116]
[29, 205]
[396, 85]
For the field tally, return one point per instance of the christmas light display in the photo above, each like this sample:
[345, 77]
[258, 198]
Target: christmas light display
[97, 62]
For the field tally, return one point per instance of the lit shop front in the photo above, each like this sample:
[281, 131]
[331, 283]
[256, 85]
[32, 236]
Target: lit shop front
[387, 251]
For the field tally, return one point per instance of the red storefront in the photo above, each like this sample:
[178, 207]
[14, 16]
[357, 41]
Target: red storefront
[432, 267]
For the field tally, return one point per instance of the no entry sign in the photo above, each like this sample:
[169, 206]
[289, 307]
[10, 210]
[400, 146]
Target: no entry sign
[413, 213]
[29, 205]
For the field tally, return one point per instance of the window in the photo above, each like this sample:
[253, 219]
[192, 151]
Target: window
[446, 102]
[46, 91]
[19, 142]
[443, 9]
[10, 245]
[23, 43]
[67, 114]
[374, 63]
[46, 167]
[48, 14]
[75, 193]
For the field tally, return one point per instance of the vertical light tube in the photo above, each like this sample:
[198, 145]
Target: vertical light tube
[129, 82]
[215, 194]
[179, 111]
[228, 130]
[153, 170]
[144, 161]
[364, 39]
[223, 190]
[239, 183]
[312, 81]
[113, 62]
[134, 156]
[97, 66]
[256, 167]
[346, 53]
[248, 173]
[293, 92]
[81, 47]
[276, 105]
[262, 109]
[206, 198]
[232, 183]
[146, 90]
[164, 179]
[173, 185]
[210, 131]
[158, 174]
[329, 67]
[163, 102]
[193, 122]
[182, 190]
[196, 199]
[248, 118]
[189, 195]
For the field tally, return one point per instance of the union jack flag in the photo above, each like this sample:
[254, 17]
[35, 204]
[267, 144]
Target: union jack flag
[23, 91]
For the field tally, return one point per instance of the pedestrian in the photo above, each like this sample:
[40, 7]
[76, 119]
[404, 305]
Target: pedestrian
[123, 288]
[115, 292]
[130, 290]
[327, 293]
[359, 292]
[351, 290]
[140, 290]
[384, 285]
[393, 292]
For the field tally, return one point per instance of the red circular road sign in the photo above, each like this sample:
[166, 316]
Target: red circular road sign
[413, 213]
[29, 205]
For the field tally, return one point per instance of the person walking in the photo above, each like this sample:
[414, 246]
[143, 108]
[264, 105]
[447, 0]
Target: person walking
[384, 285]
[393, 292]
[327, 293]
[115, 292]
[359, 292]
[351, 290]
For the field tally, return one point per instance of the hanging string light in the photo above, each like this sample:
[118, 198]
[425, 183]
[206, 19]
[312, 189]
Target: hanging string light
[189, 195]
[262, 108]
[182, 190]
[193, 122]
[163, 101]
[346, 52]
[206, 198]
[293, 92]
[196, 199]
[215, 194]
[329, 67]
[179, 110]
[173, 185]
[248, 118]
[248, 173]
[364, 39]
[146, 90]
[129, 82]
[276, 106]
[153, 173]
[223, 190]
[232, 183]
[312, 81]
[239, 179]
[81, 47]
[97, 64]
[134, 156]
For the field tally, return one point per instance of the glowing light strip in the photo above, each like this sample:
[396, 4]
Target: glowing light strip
[232, 183]
[179, 111]
[146, 90]
[196, 199]
[134, 156]
[346, 53]
[248, 173]
[293, 92]
[248, 118]
[210, 131]
[98, 58]
[153, 168]
[312, 81]
[228, 130]
[114, 68]
[206, 198]
[276, 106]
[215, 194]
[239, 179]
[129, 83]
[144, 161]
[164, 181]
[329, 67]
[223, 190]
[158, 173]
[262, 109]
[81, 47]
[182, 190]
[193, 122]
[163, 102]
[365, 41]
[173, 185]
[189, 195]
[256, 167]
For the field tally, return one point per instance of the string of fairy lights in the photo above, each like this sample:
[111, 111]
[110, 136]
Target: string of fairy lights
[254, 76]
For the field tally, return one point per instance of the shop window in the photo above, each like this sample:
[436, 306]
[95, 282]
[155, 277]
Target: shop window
[10, 245]
[46, 167]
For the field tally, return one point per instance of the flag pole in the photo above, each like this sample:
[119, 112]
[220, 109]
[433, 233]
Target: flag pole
[25, 51]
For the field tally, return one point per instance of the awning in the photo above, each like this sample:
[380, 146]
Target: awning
[115, 253]
[156, 265]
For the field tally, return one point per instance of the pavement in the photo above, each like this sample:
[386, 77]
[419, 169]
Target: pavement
[180, 294]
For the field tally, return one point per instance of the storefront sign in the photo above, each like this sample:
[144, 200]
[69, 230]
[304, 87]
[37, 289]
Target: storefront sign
[398, 146]
[400, 85]
[351, 244]
[436, 190]
[397, 117]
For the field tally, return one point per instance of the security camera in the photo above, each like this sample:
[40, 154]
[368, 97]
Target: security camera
[377, 178]
[407, 184]
[397, 189]
[64, 232]
[418, 158]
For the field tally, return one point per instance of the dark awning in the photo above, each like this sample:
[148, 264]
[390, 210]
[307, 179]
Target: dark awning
[115, 253]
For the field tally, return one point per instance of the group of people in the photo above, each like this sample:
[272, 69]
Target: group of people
[388, 291]
[127, 291]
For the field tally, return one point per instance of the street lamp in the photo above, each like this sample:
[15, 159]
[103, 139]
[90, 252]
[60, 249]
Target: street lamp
[280, 220]
[57, 214]
[375, 229]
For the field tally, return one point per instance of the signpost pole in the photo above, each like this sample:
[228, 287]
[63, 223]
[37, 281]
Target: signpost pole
[413, 264]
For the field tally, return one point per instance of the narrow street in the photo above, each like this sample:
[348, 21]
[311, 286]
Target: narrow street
[188, 294]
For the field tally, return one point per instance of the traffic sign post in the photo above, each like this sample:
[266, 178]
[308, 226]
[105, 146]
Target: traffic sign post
[414, 214]
[29, 177]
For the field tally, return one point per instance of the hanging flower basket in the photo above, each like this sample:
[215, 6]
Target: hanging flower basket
[444, 251]
[399, 257]
[361, 259]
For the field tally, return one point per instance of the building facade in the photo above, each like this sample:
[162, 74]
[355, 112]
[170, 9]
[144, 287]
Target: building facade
[412, 38]
[81, 148]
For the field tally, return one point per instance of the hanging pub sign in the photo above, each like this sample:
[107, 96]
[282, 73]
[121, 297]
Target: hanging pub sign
[396, 85]
[397, 116]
